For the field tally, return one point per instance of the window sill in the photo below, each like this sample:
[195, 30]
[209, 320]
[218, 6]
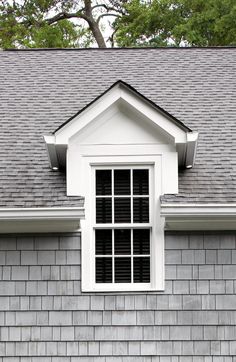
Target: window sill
[125, 287]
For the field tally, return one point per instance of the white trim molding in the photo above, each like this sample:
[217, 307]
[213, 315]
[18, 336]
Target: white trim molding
[40, 220]
[199, 216]
[120, 93]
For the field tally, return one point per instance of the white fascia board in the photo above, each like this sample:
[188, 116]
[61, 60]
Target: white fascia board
[63, 135]
[119, 92]
[171, 209]
[199, 216]
[169, 127]
[40, 220]
[186, 140]
[47, 213]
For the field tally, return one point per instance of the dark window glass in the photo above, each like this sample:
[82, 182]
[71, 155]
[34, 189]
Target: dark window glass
[140, 182]
[141, 209]
[141, 241]
[122, 210]
[122, 241]
[103, 242]
[141, 270]
[103, 182]
[103, 210]
[103, 270]
[122, 182]
[122, 270]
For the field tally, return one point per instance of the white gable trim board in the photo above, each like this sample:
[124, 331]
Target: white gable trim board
[118, 92]
[184, 139]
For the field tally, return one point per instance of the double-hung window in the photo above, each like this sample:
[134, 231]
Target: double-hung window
[122, 230]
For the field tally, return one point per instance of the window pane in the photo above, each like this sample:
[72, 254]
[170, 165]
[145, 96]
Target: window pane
[103, 242]
[122, 241]
[140, 182]
[103, 270]
[122, 210]
[103, 210]
[141, 270]
[141, 209]
[103, 182]
[122, 182]
[141, 241]
[122, 270]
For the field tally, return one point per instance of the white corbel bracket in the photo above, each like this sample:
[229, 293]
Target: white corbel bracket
[191, 149]
[56, 152]
[187, 150]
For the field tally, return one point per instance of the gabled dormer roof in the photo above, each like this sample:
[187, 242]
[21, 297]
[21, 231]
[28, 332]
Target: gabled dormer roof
[121, 84]
[122, 93]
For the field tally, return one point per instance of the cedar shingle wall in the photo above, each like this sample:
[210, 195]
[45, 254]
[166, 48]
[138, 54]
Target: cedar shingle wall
[44, 316]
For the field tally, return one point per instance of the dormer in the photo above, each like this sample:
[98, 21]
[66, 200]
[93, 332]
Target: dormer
[122, 152]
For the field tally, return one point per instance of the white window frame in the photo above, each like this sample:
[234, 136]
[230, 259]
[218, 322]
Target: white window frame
[131, 226]
[90, 164]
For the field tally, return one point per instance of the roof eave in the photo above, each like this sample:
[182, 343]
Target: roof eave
[202, 217]
[40, 220]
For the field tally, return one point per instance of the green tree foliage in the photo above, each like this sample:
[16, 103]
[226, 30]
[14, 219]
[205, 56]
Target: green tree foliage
[52, 23]
[78, 23]
[60, 35]
[177, 22]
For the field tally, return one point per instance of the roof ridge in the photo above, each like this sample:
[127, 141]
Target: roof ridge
[117, 48]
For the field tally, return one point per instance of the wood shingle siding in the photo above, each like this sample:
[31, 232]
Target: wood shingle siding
[45, 317]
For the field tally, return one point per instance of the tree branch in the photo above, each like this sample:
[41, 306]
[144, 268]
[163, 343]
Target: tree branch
[111, 38]
[88, 8]
[64, 15]
[106, 7]
[106, 14]
[84, 13]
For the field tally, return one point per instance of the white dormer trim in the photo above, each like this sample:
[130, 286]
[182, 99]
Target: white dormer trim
[182, 137]
[119, 92]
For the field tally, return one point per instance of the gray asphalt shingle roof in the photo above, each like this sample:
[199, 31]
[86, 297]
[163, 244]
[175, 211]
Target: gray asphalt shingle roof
[39, 90]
